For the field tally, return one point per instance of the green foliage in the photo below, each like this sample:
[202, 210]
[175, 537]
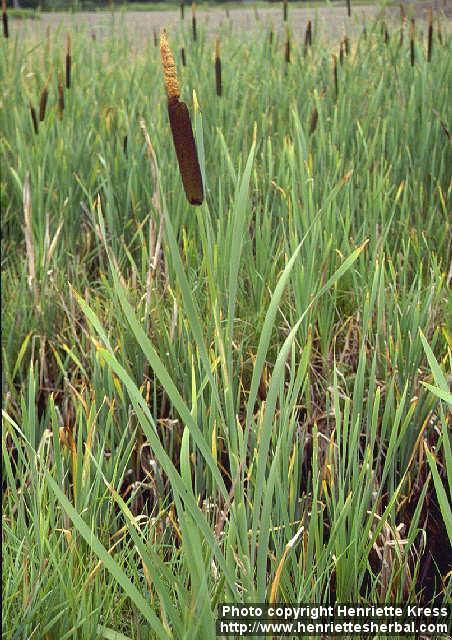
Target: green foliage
[187, 389]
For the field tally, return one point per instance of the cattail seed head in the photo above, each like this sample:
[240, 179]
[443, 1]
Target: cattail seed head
[287, 48]
[181, 129]
[341, 52]
[60, 96]
[182, 55]
[314, 119]
[335, 75]
[412, 25]
[182, 10]
[43, 100]
[430, 35]
[349, 8]
[68, 62]
[193, 21]
[155, 38]
[5, 20]
[346, 45]
[34, 119]
[218, 67]
[124, 145]
[285, 10]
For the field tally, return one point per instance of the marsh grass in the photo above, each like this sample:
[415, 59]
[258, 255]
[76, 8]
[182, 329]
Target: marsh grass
[242, 401]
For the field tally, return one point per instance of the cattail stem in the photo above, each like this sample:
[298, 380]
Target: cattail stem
[218, 68]
[5, 19]
[181, 129]
[193, 21]
[285, 10]
[182, 10]
[349, 8]
[68, 62]
[182, 55]
[34, 119]
[60, 96]
[430, 35]
[412, 41]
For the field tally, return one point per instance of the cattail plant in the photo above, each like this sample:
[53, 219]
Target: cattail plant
[335, 75]
[43, 100]
[34, 119]
[68, 62]
[156, 42]
[182, 55]
[287, 47]
[125, 141]
[270, 36]
[218, 67]
[182, 10]
[412, 25]
[385, 33]
[314, 119]
[285, 10]
[349, 8]
[60, 96]
[5, 19]
[184, 142]
[346, 45]
[341, 52]
[193, 21]
[307, 37]
[430, 35]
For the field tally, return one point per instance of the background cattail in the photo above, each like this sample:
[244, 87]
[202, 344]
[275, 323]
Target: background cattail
[34, 118]
[60, 96]
[430, 35]
[287, 47]
[270, 36]
[124, 145]
[182, 55]
[335, 74]
[385, 33]
[182, 10]
[412, 41]
[68, 62]
[314, 119]
[307, 37]
[5, 19]
[181, 129]
[285, 10]
[218, 67]
[43, 100]
[346, 45]
[341, 52]
[193, 20]
[349, 8]
[156, 42]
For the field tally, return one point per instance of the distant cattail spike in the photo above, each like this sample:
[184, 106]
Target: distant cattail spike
[181, 129]
[182, 55]
[430, 35]
[193, 21]
[270, 36]
[182, 10]
[307, 38]
[336, 91]
[285, 10]
[156, 41]
[287, 48]
[124, 145]
[43, 100]
[218, 68]
[34, 119]
[341, 52]
[346, 45]
[349, 8]
[5, 19]
[68, 62]
[60, 96]
[314, 119]
[412, 25]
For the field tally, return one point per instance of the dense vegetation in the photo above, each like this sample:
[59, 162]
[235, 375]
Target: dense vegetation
[186, 389]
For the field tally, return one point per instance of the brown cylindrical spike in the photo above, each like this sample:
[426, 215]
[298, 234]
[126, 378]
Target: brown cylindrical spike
[5, 19]
[430, 35]
[68, 62]
[181, 129]
[182, 55]
[341, 53]
[349, 8]
[182, 10]
[193, 21]
[346, 45]
[287, 49]
[60, 96]
[412, 42]
[218, 68]
[285, 10]
[34, 119]
[335, 75]
[43, 100]
[314, 119]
